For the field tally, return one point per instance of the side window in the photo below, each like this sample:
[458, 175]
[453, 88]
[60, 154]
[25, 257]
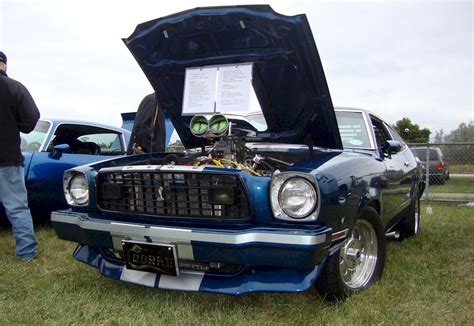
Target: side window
[87, 140]
[381, 133]
[396, 136]
[109, 143]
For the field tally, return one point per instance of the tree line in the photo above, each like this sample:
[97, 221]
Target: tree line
[413, 133]
[455, 154]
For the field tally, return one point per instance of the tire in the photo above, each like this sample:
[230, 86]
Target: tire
[358, 263]
[410, 225]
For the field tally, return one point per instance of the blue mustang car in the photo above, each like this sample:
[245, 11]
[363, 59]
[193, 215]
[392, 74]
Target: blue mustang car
[295, 195]
[58, 145]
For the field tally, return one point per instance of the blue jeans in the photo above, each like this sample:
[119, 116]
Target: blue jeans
[14, 198]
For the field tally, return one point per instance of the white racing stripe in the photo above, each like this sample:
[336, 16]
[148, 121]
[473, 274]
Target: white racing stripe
[137, 277]
[185, 282]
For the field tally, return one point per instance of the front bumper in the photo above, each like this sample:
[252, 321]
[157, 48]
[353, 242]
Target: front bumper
[272, 259]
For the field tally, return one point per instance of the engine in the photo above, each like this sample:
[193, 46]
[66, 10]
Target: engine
[229, 148]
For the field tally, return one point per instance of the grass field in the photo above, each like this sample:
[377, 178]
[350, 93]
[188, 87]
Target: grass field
[427, 280]
[455, 184]
[461, 168]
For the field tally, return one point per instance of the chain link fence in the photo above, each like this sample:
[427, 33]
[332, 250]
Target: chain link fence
[448, 169]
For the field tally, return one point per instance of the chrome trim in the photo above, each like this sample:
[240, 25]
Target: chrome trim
[371, 132]
[148, 168]
[393, 235]
[180, 234]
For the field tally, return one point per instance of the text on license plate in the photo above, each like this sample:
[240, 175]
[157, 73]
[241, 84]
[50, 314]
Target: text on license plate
[150, 257]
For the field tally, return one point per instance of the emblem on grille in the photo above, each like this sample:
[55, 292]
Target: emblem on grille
[160, 194]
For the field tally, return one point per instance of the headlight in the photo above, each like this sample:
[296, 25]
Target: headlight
[297, 197]
[294, 196]
[76, 189]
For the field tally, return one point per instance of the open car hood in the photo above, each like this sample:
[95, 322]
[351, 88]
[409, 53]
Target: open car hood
[288, 76]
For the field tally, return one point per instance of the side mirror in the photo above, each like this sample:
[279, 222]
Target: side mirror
[391, 147]
[59, 150]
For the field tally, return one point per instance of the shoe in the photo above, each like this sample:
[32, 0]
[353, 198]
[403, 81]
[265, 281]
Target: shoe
[28, 258]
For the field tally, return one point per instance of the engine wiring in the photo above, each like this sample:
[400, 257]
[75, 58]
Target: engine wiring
[225, 163]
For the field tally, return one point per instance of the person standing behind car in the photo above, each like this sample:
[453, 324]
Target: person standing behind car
[149, 130]
[18, 113]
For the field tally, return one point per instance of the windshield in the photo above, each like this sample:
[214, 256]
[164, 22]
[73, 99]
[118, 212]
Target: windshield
[352, 129]
[351, 125]
[257, 120]
[32, 142]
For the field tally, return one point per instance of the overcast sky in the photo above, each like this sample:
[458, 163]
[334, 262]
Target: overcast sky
[396, 58]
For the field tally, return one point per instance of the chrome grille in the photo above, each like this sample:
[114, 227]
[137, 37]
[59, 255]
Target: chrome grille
[175, 194]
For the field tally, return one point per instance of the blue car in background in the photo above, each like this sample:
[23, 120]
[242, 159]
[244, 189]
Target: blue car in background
[295, 195]
[58, 145]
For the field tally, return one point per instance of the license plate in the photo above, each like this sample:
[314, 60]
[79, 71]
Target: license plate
[151, 257]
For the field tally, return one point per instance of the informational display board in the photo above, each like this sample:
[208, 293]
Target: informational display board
[217, 89]
[199, 90]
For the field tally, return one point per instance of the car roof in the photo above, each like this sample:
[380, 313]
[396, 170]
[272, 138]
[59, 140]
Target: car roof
[342, 108]
[57, 121]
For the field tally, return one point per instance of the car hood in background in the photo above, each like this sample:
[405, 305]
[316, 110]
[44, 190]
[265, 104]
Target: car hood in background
[288, 76]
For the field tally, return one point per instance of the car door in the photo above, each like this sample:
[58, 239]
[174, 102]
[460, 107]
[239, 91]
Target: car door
[45, 173]
[409, 167]
[394, 195]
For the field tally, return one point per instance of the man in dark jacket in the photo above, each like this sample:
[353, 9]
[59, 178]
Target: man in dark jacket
[149, 130]
[18, 113]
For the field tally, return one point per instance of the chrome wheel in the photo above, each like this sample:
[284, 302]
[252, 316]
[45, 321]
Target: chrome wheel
[358, 262]
[358, 256]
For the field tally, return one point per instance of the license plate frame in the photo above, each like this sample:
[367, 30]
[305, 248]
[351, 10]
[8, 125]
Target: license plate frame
[159, 258]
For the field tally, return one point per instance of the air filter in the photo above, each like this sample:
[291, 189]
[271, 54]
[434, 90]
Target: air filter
[218, 125]
[199, 125]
